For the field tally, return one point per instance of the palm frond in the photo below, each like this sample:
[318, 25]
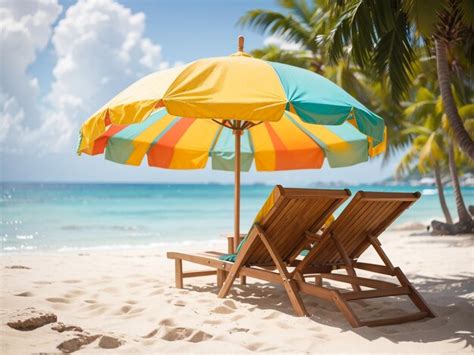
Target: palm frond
[419, 109]
[274, 22]
[466, 111]
[407, 162]
[394, 56]
[299, 8]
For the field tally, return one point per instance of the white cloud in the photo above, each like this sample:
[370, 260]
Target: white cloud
[100, 48]
[281, 42]
[26, 29]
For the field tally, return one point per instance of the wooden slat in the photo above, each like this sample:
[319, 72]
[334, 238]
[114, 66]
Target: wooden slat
[260, 274]
[300, 192]
[199, 273]
[349, 228]
[398, 291]
[314, 290]
[379, 223]
[392, 196]
[379, 269]
[395, 320]
[377, 215]
[362, 281]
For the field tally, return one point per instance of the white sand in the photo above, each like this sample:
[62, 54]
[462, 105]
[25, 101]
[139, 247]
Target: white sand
[130, 295]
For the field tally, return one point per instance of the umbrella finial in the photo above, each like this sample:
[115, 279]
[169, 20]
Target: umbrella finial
[241, 43]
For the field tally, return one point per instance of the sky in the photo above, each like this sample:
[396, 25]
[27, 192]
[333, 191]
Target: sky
[61, 60]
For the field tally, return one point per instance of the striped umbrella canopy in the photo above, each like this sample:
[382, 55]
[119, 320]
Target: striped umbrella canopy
[281, 116]
[173, 142]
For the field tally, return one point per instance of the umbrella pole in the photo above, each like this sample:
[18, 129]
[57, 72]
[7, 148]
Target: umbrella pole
[237, 133]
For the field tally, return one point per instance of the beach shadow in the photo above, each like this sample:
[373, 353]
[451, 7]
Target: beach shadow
[448, 297]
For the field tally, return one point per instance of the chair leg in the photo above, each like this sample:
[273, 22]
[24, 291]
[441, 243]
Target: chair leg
[221, 274]
[229, 281]
[243, 280]
[346, 310]
[347, 261]
[288, 281]
[414, 295]
[241, 258]
[178, 273]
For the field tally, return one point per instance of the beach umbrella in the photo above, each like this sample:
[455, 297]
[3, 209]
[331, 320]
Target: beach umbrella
[236, 110]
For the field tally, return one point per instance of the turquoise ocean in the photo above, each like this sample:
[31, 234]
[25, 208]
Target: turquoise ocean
[46, 217]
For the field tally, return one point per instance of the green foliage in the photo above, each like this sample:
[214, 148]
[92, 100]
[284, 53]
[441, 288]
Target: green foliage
[381, 52]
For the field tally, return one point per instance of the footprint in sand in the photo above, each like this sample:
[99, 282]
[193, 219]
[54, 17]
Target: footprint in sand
[90, 301]
[167, 322]
[186, 334]
[136, 310]
[58, 300]
[99, 310]
[238, 330]
[212, 322]
[255, 346]
[222, 310]
[25, 294]
[74, 293]
[111, 290]
[42, 282]
[230, 304]
[131, 302]
[151, 334]
[72, 281]
[124, 310]
[180, 304]
[156, 292]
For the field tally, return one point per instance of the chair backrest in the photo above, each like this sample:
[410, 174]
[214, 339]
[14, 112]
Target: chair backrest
[368, 214]
[293, 213]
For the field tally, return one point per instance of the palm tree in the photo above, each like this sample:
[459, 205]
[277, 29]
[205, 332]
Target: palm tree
[386, 35]
[424, 116]
[426, 154]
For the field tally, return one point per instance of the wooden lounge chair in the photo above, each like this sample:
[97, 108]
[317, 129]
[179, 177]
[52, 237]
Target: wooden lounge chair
[343, 242]
[357, 228]
[294, 213]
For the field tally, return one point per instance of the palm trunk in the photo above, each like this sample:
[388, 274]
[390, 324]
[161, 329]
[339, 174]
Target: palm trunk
[463, 214]
[442, 199]
[463, 138]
